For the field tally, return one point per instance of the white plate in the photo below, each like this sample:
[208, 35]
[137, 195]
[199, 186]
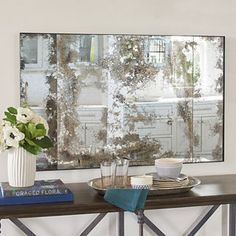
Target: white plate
[181, 177]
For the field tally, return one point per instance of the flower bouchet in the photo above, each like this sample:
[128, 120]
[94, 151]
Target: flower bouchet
[23, 128]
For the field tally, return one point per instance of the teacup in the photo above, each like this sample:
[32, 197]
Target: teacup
[168, 167]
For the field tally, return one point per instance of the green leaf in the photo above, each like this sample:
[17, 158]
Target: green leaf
[39, 132]
[22, 142]
[12, 110]
[27, 133]
[8, 120]
[31, 143]
[36, 132]
[45, 142]
[21, 127]
[31, 126]
[40, 126]
[24, 129]
[10, 117]
[32, 149]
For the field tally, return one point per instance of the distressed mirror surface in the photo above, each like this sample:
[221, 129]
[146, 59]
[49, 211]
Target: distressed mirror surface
[137, 96]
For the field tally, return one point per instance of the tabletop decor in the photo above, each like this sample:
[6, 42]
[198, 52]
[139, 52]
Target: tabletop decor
[40, 187]
[141, 181]
[127, 199]
[43, 191]
[157, 188]
[168, 167]
[23, 134]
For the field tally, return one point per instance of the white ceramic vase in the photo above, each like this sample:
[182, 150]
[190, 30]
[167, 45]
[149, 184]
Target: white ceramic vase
[21, 167]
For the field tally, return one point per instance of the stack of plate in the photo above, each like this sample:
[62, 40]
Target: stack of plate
[165, 182]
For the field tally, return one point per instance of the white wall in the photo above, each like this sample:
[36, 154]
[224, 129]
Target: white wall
[212, 17]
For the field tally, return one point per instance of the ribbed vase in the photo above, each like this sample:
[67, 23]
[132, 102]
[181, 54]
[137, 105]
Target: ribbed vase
[21, 167]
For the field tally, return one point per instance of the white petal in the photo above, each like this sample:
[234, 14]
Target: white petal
[12, 142]
[20, 136]
[21, 119]
[8, 131]
[24, 115]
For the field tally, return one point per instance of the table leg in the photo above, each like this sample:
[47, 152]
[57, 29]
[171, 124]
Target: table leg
[93, 224]
[153, 227]
[203, 220]
[22, 226]
[121, 223]
[232, 219]
[140, 221]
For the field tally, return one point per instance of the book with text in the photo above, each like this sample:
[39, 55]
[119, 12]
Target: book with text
[40, 187]
[37, 199]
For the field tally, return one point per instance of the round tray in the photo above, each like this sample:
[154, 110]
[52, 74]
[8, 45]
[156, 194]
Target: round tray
[96, 184]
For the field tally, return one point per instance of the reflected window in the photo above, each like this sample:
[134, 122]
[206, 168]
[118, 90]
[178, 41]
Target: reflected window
[30, 50]
[90, 48]
[32, 56]
[85, 48]
[156, 51]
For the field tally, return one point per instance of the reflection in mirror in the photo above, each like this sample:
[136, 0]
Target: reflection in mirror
[135, 96]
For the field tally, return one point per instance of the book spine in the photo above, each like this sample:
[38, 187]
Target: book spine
[37, 199]
[34, 192]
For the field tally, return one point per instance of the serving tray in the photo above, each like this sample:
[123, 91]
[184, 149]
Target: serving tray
[96, 184]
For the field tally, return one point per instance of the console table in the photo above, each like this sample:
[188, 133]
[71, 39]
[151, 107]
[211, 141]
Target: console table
[213, 191]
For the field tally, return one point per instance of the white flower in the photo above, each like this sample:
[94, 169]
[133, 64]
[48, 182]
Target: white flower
[3, 146]
[37, 119]
[4, 123]
[12, 136]
[24, 115]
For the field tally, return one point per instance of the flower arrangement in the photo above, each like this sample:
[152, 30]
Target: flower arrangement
[23, 128]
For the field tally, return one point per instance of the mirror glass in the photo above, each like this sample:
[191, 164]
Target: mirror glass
[140, 97]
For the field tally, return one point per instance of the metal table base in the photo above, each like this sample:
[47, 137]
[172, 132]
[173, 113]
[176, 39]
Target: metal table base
[142, 219]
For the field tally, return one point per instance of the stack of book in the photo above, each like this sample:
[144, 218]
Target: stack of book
[43, 191]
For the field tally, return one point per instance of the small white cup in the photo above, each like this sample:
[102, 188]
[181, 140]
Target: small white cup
[141, 182]
[168, 167]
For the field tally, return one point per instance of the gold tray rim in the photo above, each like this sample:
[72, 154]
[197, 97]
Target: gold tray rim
[154, 190]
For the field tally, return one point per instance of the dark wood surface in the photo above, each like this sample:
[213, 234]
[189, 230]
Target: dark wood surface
[213, 190]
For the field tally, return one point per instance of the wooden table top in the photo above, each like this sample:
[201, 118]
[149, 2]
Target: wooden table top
[213, 190]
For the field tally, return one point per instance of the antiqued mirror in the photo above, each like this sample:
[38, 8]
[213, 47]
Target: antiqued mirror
[136, 96]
